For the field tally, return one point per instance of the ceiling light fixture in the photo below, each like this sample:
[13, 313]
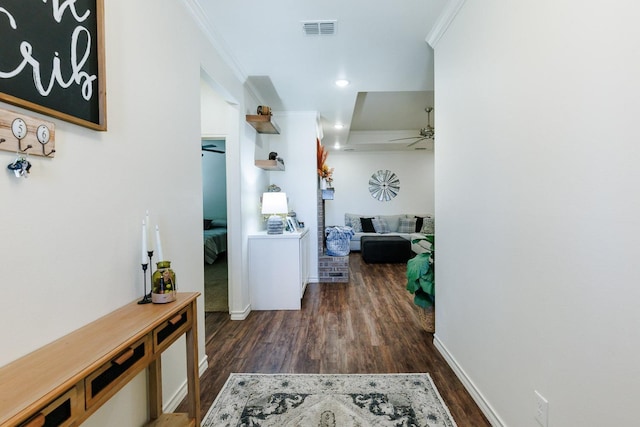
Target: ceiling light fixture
[336, 145]
[342, 83]
[338, 126]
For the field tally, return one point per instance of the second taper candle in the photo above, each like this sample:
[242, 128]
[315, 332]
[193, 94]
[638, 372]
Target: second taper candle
[159, 245]
[144, 259]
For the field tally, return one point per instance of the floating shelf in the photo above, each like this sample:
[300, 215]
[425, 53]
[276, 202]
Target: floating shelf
[270, 165]
[263, 124]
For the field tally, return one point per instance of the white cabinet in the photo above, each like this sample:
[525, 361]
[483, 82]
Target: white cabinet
[278, 269]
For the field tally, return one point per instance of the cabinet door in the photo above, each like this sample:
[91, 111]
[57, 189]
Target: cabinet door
[274, 272]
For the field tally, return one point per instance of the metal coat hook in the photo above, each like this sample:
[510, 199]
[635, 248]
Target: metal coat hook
[20, 146]
[49, 153]
[2, 140]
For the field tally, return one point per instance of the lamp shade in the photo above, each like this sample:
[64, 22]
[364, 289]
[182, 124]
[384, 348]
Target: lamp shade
[274, 203]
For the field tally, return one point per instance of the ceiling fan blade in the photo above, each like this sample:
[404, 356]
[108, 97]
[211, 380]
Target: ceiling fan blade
[212, 151]
[415, 142]
[401, 139]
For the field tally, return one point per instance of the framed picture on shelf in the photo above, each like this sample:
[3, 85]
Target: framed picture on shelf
[297, 223]
[291, 224]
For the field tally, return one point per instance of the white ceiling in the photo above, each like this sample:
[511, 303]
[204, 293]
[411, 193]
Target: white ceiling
[378, 46]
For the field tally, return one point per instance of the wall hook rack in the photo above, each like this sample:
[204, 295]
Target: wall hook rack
[18, 130]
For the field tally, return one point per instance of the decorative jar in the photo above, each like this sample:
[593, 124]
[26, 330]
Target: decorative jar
[164, 283]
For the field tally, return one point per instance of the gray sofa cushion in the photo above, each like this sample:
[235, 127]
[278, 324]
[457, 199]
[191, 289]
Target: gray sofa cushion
[393, 221]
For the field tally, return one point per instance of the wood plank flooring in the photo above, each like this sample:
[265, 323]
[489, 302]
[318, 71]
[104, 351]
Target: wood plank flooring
[368, 325]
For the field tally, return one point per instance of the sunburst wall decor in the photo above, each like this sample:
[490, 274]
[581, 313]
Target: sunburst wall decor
[384, 185]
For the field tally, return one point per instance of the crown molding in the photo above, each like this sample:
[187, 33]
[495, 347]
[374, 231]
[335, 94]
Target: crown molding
[196, 11]
[442, 24]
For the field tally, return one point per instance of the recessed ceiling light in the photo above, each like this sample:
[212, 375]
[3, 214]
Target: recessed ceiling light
[336, 145]
[338, 126]
[342, 83]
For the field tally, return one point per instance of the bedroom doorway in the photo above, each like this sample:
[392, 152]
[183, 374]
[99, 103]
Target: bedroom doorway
[214, 202]
[214, 110]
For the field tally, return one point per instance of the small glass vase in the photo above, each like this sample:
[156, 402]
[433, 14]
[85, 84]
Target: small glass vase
[164, 284]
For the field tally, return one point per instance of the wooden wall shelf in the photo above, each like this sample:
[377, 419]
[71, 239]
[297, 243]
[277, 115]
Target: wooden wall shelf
[270, 165]
[66, 381]
[263, 124]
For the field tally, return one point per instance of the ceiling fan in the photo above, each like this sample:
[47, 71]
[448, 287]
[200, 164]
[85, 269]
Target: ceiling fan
[425, 133]
[210, 148]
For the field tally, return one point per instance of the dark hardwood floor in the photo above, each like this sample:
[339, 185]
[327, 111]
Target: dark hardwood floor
[368, 325]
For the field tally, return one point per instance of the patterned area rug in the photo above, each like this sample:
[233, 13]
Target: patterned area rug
[322, 400]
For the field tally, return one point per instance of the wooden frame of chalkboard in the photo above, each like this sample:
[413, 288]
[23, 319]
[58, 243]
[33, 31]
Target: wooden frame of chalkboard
[52, 59]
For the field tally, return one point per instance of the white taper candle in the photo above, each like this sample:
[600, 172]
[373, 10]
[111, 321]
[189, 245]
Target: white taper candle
[149, 239]
[145, 258]
[159, 245]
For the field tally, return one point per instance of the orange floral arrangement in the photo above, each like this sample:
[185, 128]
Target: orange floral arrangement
[324, 171]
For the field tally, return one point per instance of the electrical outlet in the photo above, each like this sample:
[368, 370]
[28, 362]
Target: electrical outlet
[542, 410]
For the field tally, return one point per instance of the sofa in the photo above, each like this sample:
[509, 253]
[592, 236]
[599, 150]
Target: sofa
[407, 226]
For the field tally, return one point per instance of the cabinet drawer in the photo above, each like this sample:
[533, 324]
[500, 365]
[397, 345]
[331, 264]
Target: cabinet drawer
[165, 334]
[59, 413]
[110, 377]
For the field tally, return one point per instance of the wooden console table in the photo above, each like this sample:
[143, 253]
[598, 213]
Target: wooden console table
[64, 382]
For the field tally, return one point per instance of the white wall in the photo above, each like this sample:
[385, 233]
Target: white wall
[352, 171]
[296, 145]
[70, 236]
[537, 207]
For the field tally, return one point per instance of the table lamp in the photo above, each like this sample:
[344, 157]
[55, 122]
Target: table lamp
[274, 204]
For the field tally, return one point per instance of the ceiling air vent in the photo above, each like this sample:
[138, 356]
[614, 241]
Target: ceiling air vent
[319, 28]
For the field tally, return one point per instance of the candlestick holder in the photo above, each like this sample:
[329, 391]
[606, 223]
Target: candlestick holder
[150, 254]
[146, 298]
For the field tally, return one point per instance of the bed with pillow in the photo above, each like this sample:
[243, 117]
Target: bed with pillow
[215, 239]
[408, 226]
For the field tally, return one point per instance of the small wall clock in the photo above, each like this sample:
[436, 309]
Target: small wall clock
[384, 185]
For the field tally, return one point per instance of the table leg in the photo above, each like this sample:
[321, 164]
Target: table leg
[155, 388]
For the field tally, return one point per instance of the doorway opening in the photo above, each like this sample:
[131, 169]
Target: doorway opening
[214, 203]
[214, 131]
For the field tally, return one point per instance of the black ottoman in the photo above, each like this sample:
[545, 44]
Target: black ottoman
[385, 249]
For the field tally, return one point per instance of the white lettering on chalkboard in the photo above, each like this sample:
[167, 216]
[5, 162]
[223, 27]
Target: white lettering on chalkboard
[78, 76]
[12, 20]
[58, 10]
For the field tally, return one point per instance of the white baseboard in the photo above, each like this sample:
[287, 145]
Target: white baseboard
[240, 315]
[475, 393]
[181, 393]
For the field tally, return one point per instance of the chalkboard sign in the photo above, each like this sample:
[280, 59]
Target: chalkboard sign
[52, 58]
